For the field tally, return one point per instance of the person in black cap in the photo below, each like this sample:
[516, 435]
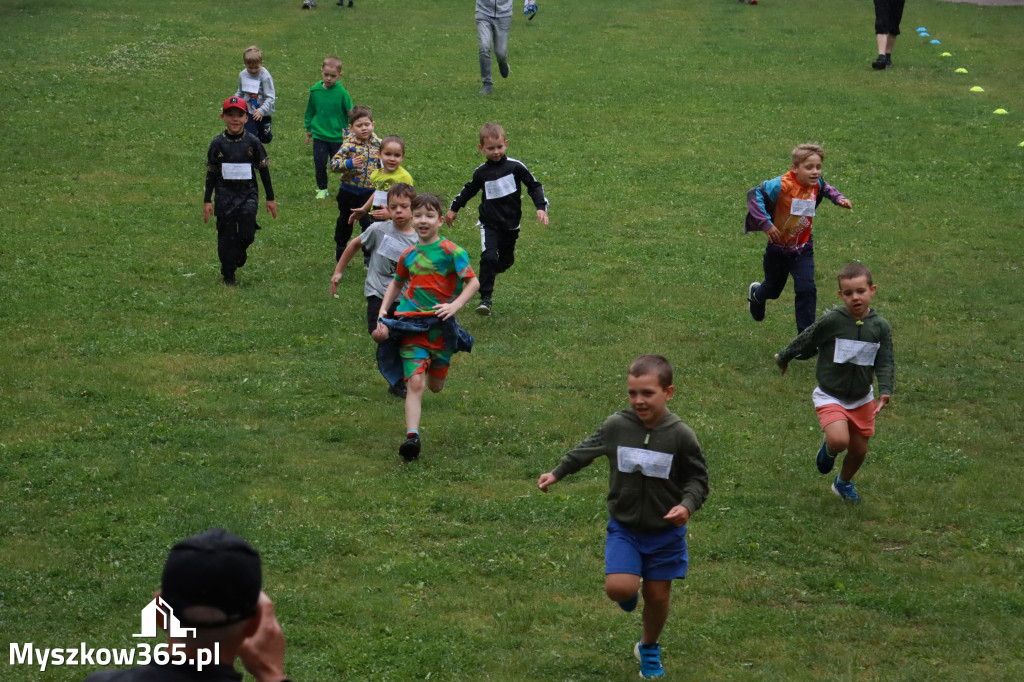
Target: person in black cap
[212, 582]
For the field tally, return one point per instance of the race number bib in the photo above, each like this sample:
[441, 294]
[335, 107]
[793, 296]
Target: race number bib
[391, 248]
[250, 85]
[804, 207]
[855, 352]
[380, 198]
[647, 462]
[502, 187]
[236, 171]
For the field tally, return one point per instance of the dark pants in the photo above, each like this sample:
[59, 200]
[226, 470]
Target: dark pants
[888, 14]
[261, 129]
[342, 228]
[322, 153]
[235, 232]
[497, 254]
[778, 265]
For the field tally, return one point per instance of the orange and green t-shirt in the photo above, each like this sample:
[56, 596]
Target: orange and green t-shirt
[435, 273]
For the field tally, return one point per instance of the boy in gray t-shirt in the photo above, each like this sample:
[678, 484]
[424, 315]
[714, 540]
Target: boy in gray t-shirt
[385, 241]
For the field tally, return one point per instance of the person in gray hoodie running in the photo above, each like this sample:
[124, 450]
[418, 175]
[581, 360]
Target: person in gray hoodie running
[493, 19]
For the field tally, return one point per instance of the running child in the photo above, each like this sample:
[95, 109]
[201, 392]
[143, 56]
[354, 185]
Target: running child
[385, 241]
[231, 162]
[257, 87]
[854, 344]
[657, 478]
[356, 159]
[501, 179]
[326, 119]
[440, 281]
[783, 208]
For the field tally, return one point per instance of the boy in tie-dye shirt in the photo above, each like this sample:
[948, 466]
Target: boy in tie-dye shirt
[441, 281]
[783, 208]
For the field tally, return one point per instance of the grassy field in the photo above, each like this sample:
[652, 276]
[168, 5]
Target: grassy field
[142, 401]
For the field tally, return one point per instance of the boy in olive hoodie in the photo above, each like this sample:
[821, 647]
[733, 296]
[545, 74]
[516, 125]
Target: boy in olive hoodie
[853, 344]
[657, 478]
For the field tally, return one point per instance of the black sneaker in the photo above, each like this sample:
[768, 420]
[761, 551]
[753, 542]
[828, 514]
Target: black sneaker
[230, 279]
[503, 69]
[888, 61]
[398, 390]
[755, 307]
[410, 449]
[879, 62]
[484, 309]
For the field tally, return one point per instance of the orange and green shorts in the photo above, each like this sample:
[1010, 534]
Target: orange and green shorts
[424, 352]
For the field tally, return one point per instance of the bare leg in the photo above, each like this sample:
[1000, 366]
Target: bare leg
[837, 437]
[855, 456]
[882, 39]
[621, 586]
[414, 401]
[657, 597]
[890, 41]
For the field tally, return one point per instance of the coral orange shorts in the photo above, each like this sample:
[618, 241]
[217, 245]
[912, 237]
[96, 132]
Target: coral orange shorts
[861, 419]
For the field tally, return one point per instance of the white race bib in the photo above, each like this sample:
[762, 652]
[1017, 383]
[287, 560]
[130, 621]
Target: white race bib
[391, 248]
[855, 352]
[804, 207]
[502, 187]
[647, 462]
[236, 171]
[250, 85]
[380, 198]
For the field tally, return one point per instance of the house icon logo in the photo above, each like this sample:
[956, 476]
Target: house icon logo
[158, 608]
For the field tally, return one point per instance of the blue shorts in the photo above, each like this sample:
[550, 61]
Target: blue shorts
[652, 556]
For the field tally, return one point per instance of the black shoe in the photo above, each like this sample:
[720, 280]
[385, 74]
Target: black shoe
[410, 449]
[888, 61]
[349, 3]
[755, 307]
[398, 390]
[484, 308]
[879, 62]
[503, 69]
[230, 279]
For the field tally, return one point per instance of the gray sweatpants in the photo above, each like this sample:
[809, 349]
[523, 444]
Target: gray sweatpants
[492, 30]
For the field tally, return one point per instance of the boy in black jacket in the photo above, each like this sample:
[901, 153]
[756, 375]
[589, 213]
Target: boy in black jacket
[230, 162]
[501, 179]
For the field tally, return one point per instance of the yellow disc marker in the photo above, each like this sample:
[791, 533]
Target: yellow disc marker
[977, 88]
[946, 54]
[961, 70]
[1000, 111]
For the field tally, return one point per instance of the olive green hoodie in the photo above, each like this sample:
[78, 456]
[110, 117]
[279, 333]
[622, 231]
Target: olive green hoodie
[635, 499]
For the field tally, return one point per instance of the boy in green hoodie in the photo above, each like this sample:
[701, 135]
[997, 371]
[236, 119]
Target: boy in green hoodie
[853, 344]
[657, 478]
[326, 119]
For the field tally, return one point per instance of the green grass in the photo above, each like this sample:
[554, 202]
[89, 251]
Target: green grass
[141, 401]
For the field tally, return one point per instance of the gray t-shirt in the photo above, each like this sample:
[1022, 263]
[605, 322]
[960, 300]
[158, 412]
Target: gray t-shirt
[385, 244]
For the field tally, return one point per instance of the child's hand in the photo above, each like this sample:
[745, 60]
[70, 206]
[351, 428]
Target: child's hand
[845, 203]
[774, 236]
[542, 216]
[380, 334]
[546, 480]
[356, 214]
[678, 515]
[334, 282]
[445, 310]
[272, 208]
[207, 211]
[382, 214]
[358, 162]
[450, 217]
[309, 136]
[883, 400]
[782, 368]
[257, 116]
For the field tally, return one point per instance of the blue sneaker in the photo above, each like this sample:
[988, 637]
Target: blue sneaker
[629, 604]
[649, 656]
[846, 491]
[825, 462]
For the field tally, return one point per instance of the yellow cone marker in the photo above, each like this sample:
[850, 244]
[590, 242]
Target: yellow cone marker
[946, 54]
[961, 70]
[1000, 111]
[1021, 144]
[977, 88]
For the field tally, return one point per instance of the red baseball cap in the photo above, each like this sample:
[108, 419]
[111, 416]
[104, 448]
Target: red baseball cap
[235, 103]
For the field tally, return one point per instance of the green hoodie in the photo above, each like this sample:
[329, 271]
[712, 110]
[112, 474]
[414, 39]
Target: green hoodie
[636, 500]
[327, 112]
[845, 380]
